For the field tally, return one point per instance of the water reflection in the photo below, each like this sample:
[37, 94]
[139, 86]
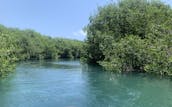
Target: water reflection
[128, 90]
[69, 84]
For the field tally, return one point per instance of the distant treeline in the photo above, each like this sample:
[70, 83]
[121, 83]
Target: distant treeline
[17, 45]
[131, 35]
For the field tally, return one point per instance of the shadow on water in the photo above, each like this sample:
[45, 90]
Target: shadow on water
[51, 64]
[67, 83]
[108, 89]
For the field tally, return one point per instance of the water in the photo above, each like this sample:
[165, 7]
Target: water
[68, 84]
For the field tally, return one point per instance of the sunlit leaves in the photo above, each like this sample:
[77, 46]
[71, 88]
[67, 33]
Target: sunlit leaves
[18, 45]
[131, 35]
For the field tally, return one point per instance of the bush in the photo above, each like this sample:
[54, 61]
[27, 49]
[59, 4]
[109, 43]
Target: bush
[131, 35]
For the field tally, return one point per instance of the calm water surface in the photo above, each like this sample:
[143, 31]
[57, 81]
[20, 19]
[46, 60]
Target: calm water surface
[70, 84]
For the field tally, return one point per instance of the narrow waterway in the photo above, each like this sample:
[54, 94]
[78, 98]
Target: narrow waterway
[67, 83]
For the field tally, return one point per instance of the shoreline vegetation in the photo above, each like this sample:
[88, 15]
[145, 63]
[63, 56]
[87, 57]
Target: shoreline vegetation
[131, 35]
[19, 45]
[127, 36]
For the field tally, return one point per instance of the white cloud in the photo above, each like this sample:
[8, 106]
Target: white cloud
[80, 33]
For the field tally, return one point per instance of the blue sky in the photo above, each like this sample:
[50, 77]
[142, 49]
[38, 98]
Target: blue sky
[56, 18]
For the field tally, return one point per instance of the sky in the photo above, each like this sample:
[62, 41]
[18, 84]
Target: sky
[55, 18]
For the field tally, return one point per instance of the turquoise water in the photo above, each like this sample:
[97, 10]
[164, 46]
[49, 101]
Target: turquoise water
[70, 84]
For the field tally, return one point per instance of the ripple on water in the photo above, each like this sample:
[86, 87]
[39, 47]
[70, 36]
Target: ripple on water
[68, 84]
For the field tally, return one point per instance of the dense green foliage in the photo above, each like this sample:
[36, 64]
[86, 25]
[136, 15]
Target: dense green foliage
[131, 35]
[16, 45]
[6, 54]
